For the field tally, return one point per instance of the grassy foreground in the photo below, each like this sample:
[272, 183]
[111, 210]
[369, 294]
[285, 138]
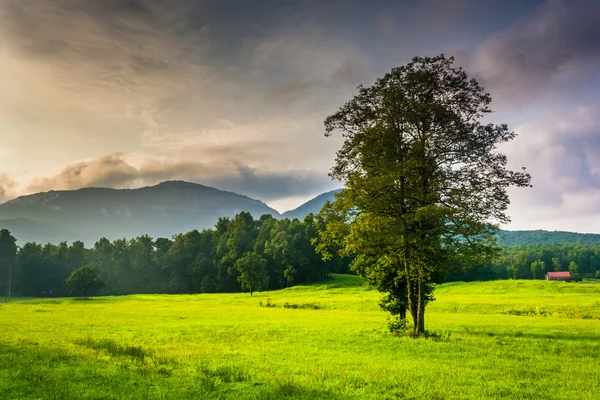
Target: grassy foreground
[502, 340]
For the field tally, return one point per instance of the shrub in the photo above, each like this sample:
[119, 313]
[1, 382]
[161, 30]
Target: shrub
[267, 303]
[309, 306]
[398, 327]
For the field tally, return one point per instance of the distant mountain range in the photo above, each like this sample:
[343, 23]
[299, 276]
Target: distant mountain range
[91, 213]
[169, 208]
[540, 237]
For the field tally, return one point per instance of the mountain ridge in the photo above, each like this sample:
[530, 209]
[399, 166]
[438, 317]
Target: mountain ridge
[173, 207]
[88, 214]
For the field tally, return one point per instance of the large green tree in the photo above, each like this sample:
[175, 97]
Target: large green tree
[425, 184]
[85, 280]
[252, 272]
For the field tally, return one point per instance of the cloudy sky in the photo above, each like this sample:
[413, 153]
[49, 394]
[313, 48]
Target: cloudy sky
[233, 93]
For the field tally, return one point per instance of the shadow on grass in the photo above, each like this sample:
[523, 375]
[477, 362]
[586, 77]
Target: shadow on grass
[28, 370]
[536, 336]
[115, 349]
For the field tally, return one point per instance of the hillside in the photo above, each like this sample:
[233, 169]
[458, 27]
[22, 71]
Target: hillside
[539, 237]
[91, 213]
[311, 206]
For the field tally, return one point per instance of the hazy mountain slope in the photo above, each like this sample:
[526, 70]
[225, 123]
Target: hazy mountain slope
[311, 206]
[91, 213]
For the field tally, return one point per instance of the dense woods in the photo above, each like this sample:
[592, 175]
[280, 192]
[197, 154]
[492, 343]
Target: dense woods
[533, 261]
[205, 262]
[193, 262]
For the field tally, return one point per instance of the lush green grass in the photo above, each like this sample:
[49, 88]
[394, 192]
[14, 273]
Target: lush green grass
[508, 340]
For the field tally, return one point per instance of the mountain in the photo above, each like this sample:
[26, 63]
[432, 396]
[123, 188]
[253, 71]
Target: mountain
[169, 208]
[540, 237]
[311, 206]
[91, 213]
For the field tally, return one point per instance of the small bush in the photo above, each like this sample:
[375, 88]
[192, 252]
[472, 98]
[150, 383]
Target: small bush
[438, 336]
[401, 328]
[267, 303]
[305, 306]
[398, 327]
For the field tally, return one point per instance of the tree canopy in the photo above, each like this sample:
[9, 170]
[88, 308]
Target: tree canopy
[252, 272]
[85, 280]
[425, 185]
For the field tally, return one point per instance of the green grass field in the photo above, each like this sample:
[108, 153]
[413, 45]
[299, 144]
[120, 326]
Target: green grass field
[501, 340]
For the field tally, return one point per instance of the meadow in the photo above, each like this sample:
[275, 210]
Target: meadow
[497, 340]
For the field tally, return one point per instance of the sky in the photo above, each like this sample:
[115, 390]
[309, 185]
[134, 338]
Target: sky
[233, 93]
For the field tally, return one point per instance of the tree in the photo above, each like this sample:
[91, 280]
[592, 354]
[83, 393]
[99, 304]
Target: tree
[30, 260]
[252, 270]
[425, 184]
[573, 268]
[8, 255]
[86, 280]
[537, 269]
[556, 264]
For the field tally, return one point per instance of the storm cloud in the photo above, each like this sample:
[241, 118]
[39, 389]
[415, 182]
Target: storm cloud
[558, 42]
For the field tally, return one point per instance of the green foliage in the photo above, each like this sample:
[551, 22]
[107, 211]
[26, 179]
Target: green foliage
[252, 270]
[425, 186]
[85, 280]
[547, 238]
[538, 269]
[8, 254]
[573, 268]
[192, 262]
[515, 262]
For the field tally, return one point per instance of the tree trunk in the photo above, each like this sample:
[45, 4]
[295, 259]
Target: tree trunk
[410, 293]
[85, 293]
[420, 325]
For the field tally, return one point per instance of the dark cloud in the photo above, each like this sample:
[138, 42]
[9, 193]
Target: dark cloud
[113, 170]
[274, 185]
[559, 40]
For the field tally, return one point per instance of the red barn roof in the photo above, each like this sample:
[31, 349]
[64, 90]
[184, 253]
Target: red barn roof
[562, 274]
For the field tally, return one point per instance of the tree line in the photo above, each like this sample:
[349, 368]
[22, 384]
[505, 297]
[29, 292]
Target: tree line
[205, 262]
[533, 262]
[238, 254]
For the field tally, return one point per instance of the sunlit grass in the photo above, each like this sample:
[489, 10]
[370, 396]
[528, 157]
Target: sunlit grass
[507, 339]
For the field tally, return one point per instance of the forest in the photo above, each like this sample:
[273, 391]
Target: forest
[192, 262]
[204, 262]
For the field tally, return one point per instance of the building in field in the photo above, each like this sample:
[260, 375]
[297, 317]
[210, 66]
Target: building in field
[558, 276]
